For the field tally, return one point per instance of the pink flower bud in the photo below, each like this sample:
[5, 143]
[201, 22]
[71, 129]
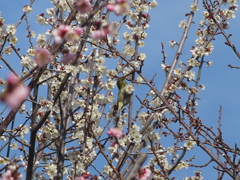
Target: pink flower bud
[79, 178]
[120, 1]
[112, 144]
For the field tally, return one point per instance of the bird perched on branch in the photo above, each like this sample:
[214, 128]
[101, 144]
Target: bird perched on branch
[123, 95]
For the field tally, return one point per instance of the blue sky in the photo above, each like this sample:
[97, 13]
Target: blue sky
[222, 83]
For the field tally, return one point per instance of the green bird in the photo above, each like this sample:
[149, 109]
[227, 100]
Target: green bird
[123, 96]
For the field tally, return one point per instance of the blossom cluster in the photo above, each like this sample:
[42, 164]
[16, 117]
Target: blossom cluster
[72, 70]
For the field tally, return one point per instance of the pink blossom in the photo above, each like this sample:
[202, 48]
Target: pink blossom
[78, 31]
[66, 33]
[83, 6]
[68, 58]
[60, 32]
[15, 98]
[15, 93]
[12, 80]
[145, 173]
[109, 29]
[99, 34]
[121, 7]
[42, 57]
[7, 175]
[73, 34]
[12, 173]
[115, 132]
[110, 7]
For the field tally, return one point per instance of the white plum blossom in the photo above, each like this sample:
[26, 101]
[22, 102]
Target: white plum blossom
[79, 102]
[183, 24]
[189, 144]
[13, 40]
[41, 20]
[99, 98]
[205, 14]
[128, 50]
[190, 75]
[137, 30]
[86, 83]
[194, 90]
[165, 67]
[111, 73]
[136, 2]
[153, 4]
[26, 61]
[8, 50]
[4, 161]
[194, 7]
[27, 9]
[156, 102]
[41, 39]
[141, 43]
[113, 148]
[50, 12]
[101, 70]
[2, 138]
[193, 62]
[142, 8]
[142, 117]
[229, 14]
[127, 36]
[109, 98]
[107, 169]
[173, 88]
[14, 146]
[232, 2]
[178, 72]
[171, 150]
[202, 23]
[200, 41]
[139, 80]
[142, 56]
[23, 130]
[51, 170]
[182, 164]
[109, 85]
[11, 29]
[129, 88]
[31, 51]
[135, 134]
